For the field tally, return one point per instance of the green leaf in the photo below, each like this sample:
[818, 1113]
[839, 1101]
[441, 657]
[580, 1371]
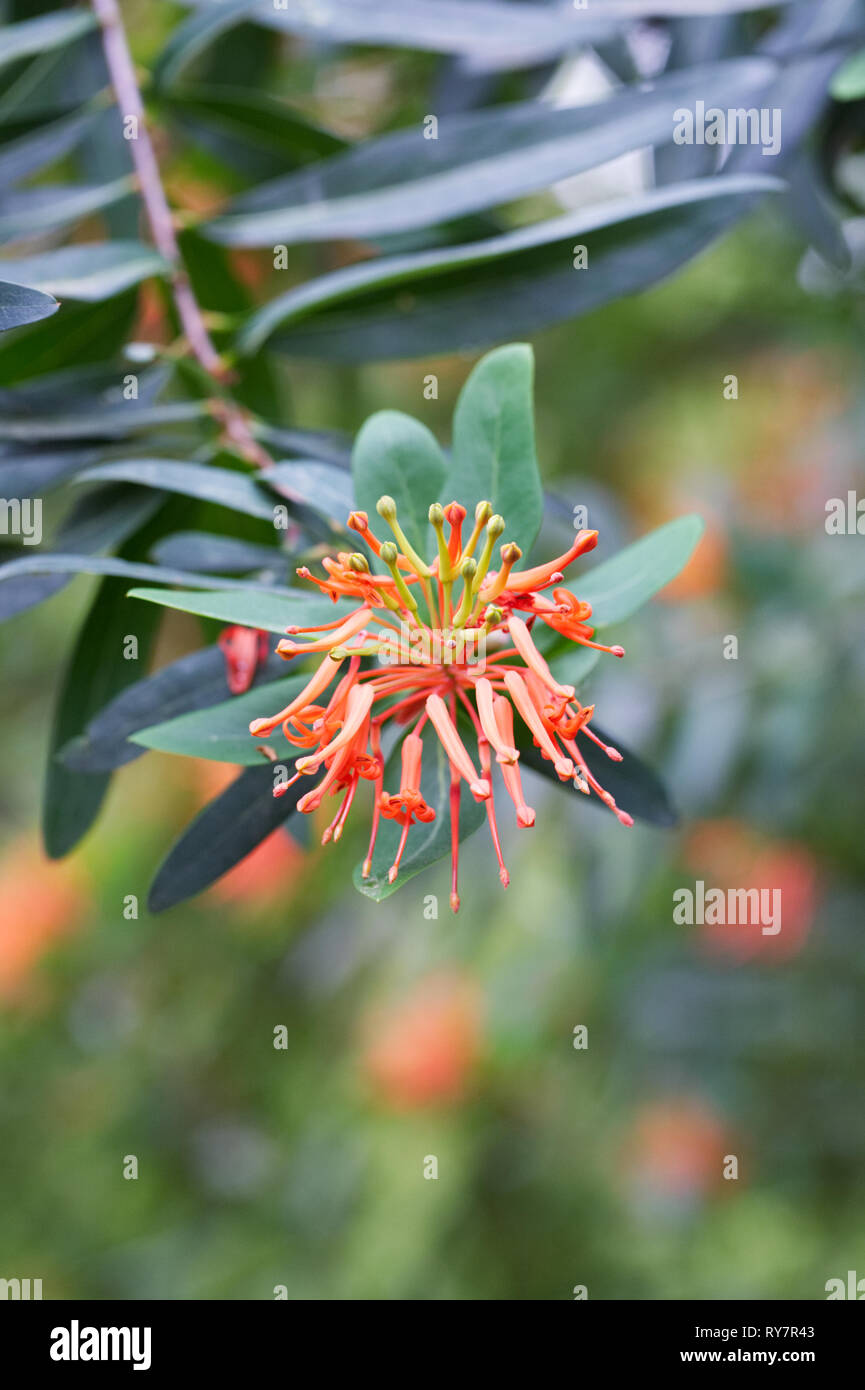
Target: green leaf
[221, 733]
[493, 455]
[101, 421]
[212, 554]
[848, 83]
[397, 456]
[48, 31]
[19, 305]
[197, 681]
[426, 842]
[91, 333]
[104, 518]
[97, 671]
[122, 569]
[226, 831]
[195, 35]
[30, 211]
[405, 180]
[634, 787]
[33, 472]
[47, 143]
[252, 130]
[463, 297]
[220, 485]
[88, 273]
[322, 487]
[268, 609]
[516, 34]
[618, 587]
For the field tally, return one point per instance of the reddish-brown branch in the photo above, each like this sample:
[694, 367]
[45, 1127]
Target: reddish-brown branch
[161, 222]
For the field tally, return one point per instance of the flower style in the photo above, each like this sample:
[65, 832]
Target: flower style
[409, 653]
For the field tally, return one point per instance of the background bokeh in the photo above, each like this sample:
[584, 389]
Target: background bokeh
[409, 1036]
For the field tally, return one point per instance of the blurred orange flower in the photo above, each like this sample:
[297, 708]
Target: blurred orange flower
[706, 571]
[730, 854]
[40, 903]
[423, 1050]
[676, 1148]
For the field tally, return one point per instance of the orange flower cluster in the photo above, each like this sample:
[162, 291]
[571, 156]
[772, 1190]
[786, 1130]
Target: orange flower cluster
[431, 644]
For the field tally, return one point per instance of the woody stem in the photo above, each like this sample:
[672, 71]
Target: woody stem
[161, 222]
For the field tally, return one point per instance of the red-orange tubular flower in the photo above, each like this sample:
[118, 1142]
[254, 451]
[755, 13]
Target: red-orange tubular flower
[449, 638]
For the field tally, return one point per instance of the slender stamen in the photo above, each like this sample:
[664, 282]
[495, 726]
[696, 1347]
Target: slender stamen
[319, 682]
[349, 628]
[510, 771]
[454, 746]
[455, 790]
[484, 755]
[519, 693]
[505, 753]
[456, 515]
[389, 555]
[483, 512]
[495, 527]
[522, 640]
[468, 570]
[526, 580]
[497, 583]
[375, 749]
[386, 508]
[358, 707]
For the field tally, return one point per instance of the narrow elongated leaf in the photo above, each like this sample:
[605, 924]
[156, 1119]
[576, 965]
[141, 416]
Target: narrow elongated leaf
[219, 485]
[32, 472]
[618, 587]
[104, 518]
[272, 610]
[324, 488]
[469, 296]
[200, 550]
[489, 33]
[253, 127]
[493, 456]
[88, 273]
[225, 832]
[31, 210]
[38, 35]
[122, 569]
[19, 305]
[427, 842]
[221, 733]
[195, 35]
[100, 421]
[397, 456]
[634, 786]
[91, 333]
[97, 671]
[327, 445]
[195, 682]
[405, 180]
[24, 156]
[517, 34]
